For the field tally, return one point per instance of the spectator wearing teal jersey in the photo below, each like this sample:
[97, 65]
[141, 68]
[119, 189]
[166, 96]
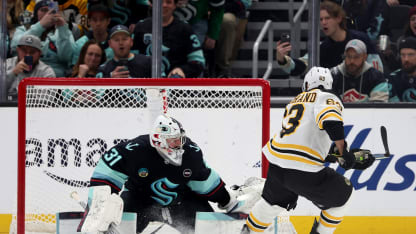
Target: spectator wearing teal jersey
[56, 38]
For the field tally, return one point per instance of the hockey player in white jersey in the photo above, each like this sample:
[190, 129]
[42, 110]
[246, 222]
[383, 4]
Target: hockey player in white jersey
[311, 122]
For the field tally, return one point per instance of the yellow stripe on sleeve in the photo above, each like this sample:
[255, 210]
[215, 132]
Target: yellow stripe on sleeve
[324, 110]
[330, 114]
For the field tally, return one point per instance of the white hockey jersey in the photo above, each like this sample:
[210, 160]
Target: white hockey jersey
[302, 143]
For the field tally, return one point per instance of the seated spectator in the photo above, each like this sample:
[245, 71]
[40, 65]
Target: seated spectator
[127, 13]
[403, 81]
[205, 18]
[124, 64]
[98, 19]
[355, 80]
[232, 31]
[91, 57]
[182, 53]
[74, 13]
[56, 38]
[333, 25]
[14, 11]
[390, 56]
[365, 16]
[25, 64]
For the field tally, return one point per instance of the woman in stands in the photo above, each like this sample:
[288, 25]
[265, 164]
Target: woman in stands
[91, 57]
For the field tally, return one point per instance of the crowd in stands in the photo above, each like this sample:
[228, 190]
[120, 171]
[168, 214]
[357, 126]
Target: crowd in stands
[109, 38]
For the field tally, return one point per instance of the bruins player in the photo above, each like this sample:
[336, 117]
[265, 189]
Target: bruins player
[164, 175]
[311, 122]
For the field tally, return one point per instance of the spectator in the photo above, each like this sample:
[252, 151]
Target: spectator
[121, 12]
[124, 64]
[98, 19]
[410, 28]
[364, 15]
[182, 53]
[333, 25]
[355, 80]
[233, 27]
[14, 11]
[403, 81]
[25, 64]
[206, 19]
[390, 56]
[74, 13]
[55, 36]
[91, 57]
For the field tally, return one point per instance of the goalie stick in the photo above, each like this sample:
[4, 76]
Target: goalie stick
[112, 229]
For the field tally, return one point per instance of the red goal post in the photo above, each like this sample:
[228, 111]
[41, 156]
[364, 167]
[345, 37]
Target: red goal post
[62, 127]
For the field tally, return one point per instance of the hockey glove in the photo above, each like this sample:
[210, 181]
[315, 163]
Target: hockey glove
[347, 160]
[363, 158]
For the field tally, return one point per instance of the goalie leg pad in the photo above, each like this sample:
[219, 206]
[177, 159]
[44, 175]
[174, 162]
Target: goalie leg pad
[103, 209]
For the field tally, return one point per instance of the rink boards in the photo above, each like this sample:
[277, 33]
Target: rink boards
[382, 203]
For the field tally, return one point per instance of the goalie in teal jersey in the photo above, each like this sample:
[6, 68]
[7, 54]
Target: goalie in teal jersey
[162, 177]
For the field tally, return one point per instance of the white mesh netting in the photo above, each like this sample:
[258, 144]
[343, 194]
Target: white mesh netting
[69, 127]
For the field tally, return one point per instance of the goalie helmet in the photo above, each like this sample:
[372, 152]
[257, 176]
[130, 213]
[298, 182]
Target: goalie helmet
[316, 77]
[168, 137]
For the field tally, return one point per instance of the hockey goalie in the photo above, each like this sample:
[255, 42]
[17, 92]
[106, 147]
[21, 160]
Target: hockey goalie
[162, 177]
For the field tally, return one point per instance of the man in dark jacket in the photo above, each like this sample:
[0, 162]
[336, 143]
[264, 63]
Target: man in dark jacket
[355, 80]
[403, 81]
[125, 64]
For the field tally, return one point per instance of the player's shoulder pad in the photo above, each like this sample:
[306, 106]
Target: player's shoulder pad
[328, 98]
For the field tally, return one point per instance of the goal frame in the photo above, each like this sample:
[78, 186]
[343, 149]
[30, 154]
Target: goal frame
[21, 173]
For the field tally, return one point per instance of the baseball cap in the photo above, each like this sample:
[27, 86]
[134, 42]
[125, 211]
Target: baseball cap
[119, 29]
[357, 45]
[98, 8]
[408, 42]
[30, 40]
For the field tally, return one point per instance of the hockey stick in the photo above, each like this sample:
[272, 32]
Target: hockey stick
[383, 132]
[112, 229]
[386, 154]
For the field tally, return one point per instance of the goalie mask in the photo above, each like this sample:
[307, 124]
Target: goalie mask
[168, 137]
[316, 77]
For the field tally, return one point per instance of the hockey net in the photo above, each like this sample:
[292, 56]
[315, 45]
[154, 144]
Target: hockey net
[65, 125]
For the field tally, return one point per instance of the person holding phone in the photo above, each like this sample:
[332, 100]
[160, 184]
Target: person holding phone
[56, 38]
[124, 64]
[26, 64]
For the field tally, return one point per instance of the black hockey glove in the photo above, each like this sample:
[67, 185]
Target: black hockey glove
[347, 160]
[363, 158]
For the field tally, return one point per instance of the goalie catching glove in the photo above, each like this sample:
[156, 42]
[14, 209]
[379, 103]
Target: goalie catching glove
[355, 158]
